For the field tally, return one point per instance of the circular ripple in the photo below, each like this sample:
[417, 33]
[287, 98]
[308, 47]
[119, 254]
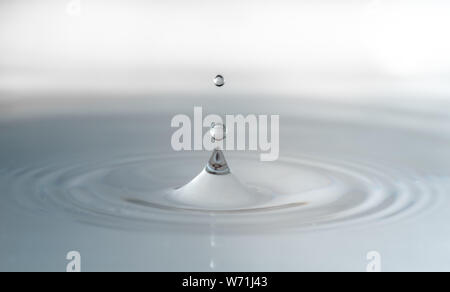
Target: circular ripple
[305, 192]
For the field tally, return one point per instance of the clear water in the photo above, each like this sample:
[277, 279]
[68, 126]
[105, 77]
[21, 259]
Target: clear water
[219, 81]
[101, 178]
[218, 132]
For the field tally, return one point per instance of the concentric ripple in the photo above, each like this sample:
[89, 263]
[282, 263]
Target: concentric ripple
[304, 192]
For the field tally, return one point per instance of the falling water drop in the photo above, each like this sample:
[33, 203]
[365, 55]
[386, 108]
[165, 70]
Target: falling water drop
[219, 81]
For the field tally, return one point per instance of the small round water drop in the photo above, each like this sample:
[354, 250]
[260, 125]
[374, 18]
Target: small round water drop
[219, 81]
[218, 132]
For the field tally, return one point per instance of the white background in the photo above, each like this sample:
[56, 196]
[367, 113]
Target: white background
[332, 49]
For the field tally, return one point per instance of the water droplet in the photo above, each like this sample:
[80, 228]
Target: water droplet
[218, 132]
[219, 81]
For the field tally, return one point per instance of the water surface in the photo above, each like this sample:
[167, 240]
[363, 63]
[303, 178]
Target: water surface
[93, 177]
